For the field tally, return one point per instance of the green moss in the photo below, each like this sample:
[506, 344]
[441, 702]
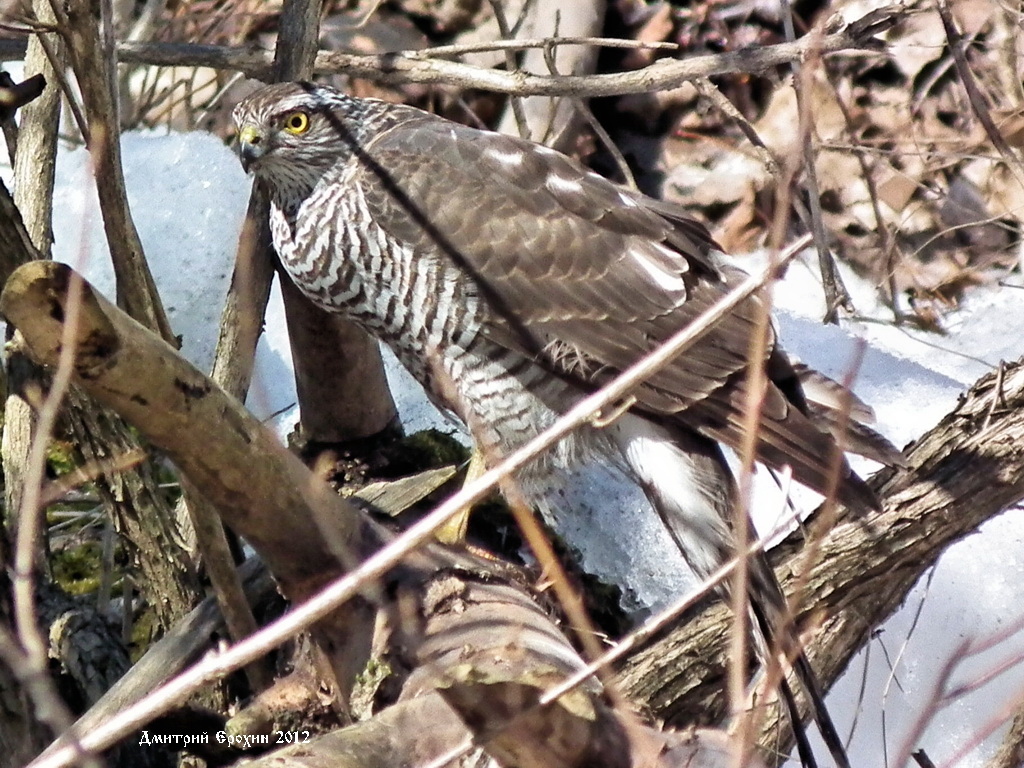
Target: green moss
[61, 456]
[428, 449]
[370, 686]
[434, 448]
[77, 568]
[144, 628]
[375, 671]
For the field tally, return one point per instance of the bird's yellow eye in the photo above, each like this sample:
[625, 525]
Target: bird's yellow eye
[297, 123]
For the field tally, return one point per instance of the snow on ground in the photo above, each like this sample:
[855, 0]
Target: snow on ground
[188, 195]
[974, 593]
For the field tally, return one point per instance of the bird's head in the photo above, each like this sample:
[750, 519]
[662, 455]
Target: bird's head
[289, 134]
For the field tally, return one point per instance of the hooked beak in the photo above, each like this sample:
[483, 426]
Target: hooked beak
[250, 146]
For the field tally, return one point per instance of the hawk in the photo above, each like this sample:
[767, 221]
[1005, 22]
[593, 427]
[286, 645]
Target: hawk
[511, 282]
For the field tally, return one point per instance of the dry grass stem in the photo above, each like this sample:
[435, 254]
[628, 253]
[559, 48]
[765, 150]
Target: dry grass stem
[35, 646]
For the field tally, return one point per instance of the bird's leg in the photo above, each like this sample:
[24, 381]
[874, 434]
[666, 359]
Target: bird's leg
[454, 530]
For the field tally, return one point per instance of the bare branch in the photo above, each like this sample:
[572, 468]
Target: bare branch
[29, 527]
[398, 68]
[515, 103]
[836, 295]
[542, 42]
[136, 290]
[126, 367]
[974, 95]
[241, 322]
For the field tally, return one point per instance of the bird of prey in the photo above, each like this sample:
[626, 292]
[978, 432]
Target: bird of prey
[511, 282]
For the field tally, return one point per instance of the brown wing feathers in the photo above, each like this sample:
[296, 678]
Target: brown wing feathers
[611, 274]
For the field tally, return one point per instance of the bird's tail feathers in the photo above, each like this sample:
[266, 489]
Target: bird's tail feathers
[834, 408]
[772, 630]
[688, 482]
[787, 436]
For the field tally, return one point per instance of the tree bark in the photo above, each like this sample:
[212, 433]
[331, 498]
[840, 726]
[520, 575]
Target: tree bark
[34, 166]
[94, 58]
[160, 539]
[241, 322]
[1010, 753]
[961, 473]
[332, 356]
[36, 160]
[240, 327]
[486, 655]
[127, 368]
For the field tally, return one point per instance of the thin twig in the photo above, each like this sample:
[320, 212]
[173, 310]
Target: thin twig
[595, 125]
[974, 94]
[448, 758]
[836, 295]
[521, 45]
[942, 696]
[710, 91]
[998, 398]
[757, 387]
[91, 51]
[365, 18]
[70, 94]
[572, 603]
[893, 663]
[510, 62]
[829, 510]
[23, 575]
[889, 246]
[56, 490]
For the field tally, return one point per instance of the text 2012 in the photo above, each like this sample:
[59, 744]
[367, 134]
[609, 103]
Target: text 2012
[292, 737]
